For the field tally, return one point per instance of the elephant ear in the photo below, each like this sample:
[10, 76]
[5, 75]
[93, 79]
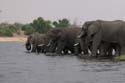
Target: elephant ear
[93, 28]
[87, 24]
[85, 28]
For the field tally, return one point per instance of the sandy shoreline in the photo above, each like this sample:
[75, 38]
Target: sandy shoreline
[13, 39]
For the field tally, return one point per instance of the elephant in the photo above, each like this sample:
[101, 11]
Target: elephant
[63, 39]
[37, 42]
[106, 31]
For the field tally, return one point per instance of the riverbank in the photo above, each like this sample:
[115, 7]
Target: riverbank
[13, 39]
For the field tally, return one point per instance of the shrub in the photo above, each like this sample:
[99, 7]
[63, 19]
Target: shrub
[28, 29]
[6, 32]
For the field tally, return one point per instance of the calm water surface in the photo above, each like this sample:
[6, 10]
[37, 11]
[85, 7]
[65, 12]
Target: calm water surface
[17, 66]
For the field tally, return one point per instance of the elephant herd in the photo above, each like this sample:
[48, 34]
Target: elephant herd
[95, 38]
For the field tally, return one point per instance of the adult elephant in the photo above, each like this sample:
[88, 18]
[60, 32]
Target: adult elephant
[63, 39]
[37, 42]
[106, 31]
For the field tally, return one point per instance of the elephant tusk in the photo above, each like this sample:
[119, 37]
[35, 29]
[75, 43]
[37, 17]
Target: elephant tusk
[41, 45]
[49, 43]
[79, 36]
[76, 44]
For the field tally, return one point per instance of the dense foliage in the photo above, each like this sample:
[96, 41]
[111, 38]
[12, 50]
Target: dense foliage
[8, 29]
[61, 23]
[38, 25]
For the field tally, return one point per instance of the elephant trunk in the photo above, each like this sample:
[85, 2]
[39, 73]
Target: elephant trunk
[28, 46]
[82, 34]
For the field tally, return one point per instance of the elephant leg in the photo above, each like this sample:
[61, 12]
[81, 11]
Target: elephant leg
[52, 47]
[86, 52]
[65, 51]
[38, 49]
[33, 48]
[72, 50]
[95, 44]
[103, 48]
[84, 47]
[118, 50]
[110, 50]
[60, 47]
[45, 49]
[77, 49]
[42, 49]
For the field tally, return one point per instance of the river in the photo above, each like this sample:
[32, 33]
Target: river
[18, 66]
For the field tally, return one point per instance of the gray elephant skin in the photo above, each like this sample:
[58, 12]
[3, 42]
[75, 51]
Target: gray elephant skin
[63, 39]
[99, 31]
[37, 42]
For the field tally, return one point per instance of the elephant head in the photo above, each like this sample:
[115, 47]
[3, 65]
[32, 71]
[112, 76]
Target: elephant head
[89, 29]
[28, 43]
[53, 35]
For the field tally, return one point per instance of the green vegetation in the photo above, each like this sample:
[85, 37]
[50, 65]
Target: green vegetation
[38, 25]
[8, 29]
[121, 58]
[61, 23]
[28, 29]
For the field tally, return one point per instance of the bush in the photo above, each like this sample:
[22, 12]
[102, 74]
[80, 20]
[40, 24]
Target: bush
[28, 29]
[6, 32]
[13, 28]
[121, 58]
[7, 29]
[41, 25]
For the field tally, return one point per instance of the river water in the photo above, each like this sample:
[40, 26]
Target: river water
[18, 66]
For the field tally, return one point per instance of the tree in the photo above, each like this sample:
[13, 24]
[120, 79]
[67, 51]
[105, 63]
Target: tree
[61, 23]
[28, 29]
[41, 25]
